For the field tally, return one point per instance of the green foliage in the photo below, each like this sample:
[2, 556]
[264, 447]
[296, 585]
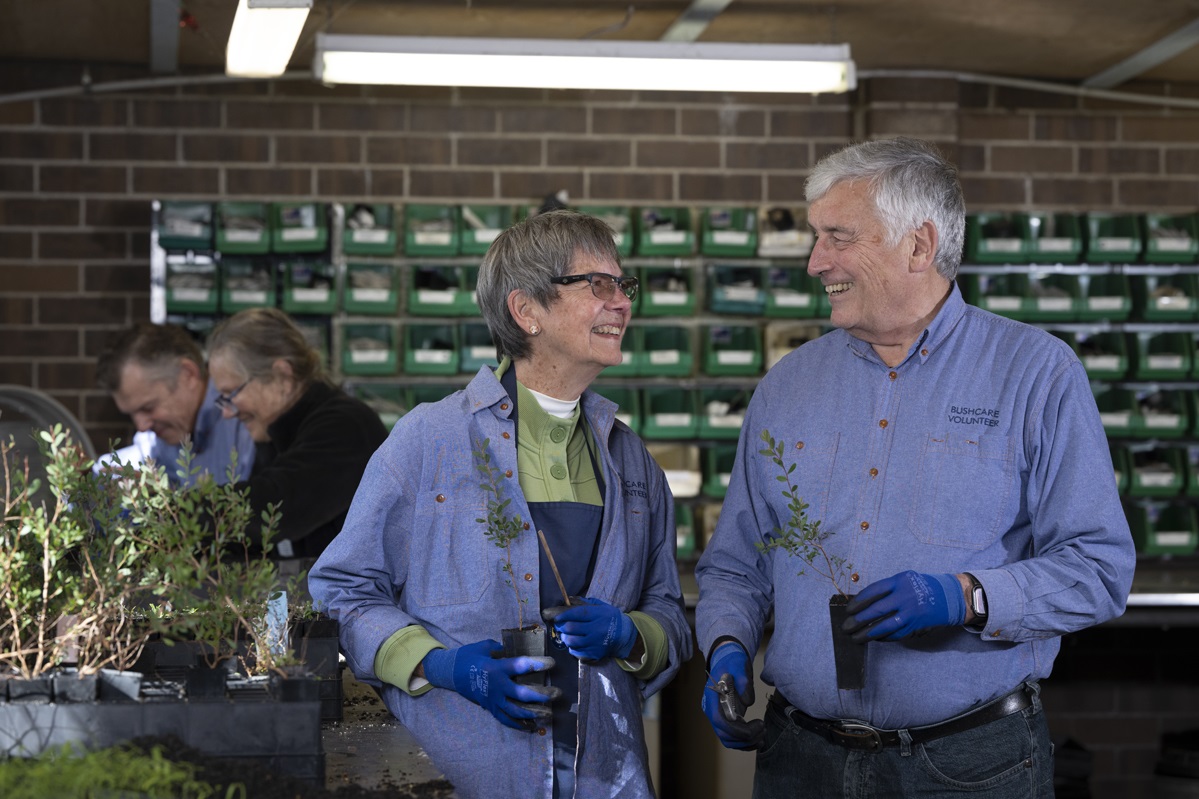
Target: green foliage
[68, 774]
[799, 537]
[114, 558]
[501, 529]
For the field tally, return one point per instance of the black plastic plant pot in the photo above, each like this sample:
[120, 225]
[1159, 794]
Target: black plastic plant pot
[120, 686]
[205, 683]
[71, 686]
[35, 690]
[849, 657]
[525, 641]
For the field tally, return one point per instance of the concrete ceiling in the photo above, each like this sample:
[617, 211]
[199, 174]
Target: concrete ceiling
[1059, 40]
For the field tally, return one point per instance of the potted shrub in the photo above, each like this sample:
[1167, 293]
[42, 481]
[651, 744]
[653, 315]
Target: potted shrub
[110, 562]
[804, 539]
[503, 530]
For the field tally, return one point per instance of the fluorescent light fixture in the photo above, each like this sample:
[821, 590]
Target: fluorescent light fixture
[263, 37]
[583, 64]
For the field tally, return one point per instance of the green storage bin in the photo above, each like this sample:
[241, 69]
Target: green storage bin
[729, 232]
[732, 350]
[1162, 414]
[668, 413]
[722, 412]
[1118, 410]
[1054, 238]
[1053, 297]
[620, 219]
[997, 238]
[389, 401]
[243, 228]
[299, 227]
[1103, 355]
[184, 226]
[1156, 471]
[1162, 528]
[431, 230]
[718, 468]
[372, 289]
[434, 290]
[628, 401]
[1165, 298]
[791, 292]
[369, 229]
[370, 349]
[480, 225]
[431, 349]
[1104, 298]
[1162, 356]
[418, 395]
[1005, 294]
[1120, 467]
[1114, 238]
[666, 291]
[467, 301]
[665, 232]
[1170, 239]
[478, 350]
[686, 545]
[309, 287]
[664, 350]
[736, 290]
[192, 284]
[783, 233]
[246, 283]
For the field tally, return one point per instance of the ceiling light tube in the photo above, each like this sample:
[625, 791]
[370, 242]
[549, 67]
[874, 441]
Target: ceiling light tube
[584, 64]
[263, 36]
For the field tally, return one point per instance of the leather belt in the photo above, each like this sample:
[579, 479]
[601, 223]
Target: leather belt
[858, 735]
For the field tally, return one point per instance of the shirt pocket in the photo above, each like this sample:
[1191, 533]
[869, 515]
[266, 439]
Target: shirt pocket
[964, 489]
[449, 563]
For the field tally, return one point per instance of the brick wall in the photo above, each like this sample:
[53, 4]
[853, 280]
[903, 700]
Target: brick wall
[77, 173]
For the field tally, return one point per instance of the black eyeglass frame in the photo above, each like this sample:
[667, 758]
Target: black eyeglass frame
[225, 401]
[627, 284]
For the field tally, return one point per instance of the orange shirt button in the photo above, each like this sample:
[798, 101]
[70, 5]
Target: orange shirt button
[996, 634]
[541, 731]
[526, 525]
[528, 578]
[508, 473]
[504, 406]
[441, 497]
[505, 435]
[924, 353]
[865, 525]
[893, 375]
[854, 577]
[882, 422]
[874, 472]
[799, 445]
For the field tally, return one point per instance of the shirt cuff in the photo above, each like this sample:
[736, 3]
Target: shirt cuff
[653, 637]
[398, 657]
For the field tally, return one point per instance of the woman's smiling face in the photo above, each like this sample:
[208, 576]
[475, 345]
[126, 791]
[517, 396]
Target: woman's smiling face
[260, 401]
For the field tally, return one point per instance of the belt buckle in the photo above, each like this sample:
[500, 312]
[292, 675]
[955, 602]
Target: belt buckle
[859, 735]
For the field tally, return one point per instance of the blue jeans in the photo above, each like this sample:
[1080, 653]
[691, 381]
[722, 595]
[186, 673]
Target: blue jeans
[1011, 758]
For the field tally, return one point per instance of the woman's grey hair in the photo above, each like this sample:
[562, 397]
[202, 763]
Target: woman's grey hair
[526, 256]
[911, 183]
[254, 339]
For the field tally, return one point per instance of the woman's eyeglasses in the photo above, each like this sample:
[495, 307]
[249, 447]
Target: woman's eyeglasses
[225, 401]
[603, 285]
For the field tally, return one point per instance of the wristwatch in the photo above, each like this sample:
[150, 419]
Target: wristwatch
[978, 603]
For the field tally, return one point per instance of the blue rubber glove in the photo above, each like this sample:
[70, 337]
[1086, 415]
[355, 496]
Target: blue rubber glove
[593, 629]
[474, 672]
[731, 666]
[907, 603]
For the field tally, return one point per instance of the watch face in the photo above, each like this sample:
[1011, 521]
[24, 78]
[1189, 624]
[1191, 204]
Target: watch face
[980, 602]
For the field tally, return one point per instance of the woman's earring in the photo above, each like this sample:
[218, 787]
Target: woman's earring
[534, 330]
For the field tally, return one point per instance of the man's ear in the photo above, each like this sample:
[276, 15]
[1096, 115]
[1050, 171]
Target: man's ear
[924, 247]
[525, 312]
[190, 372]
